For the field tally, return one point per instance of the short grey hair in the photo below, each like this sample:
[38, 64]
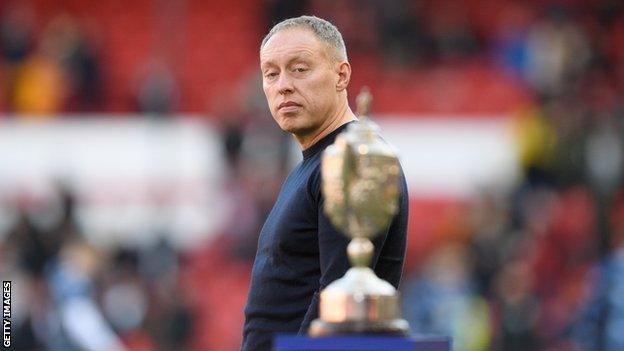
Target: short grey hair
[322, 29]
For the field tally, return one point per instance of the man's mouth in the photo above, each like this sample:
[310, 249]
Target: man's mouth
[288, 106]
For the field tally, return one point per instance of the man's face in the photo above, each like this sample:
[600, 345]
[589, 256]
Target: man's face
[299, 81]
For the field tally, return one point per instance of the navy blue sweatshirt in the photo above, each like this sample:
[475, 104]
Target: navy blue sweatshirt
[300, 253]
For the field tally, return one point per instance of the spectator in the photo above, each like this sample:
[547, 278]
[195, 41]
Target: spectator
[442, 300]
[599, 326]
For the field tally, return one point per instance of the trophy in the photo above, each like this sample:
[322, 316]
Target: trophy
[360, 184]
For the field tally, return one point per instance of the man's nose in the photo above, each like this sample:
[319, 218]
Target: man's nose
[285, 84]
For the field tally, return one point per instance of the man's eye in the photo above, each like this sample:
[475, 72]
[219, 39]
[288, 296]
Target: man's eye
[271, 75]
[300, 69]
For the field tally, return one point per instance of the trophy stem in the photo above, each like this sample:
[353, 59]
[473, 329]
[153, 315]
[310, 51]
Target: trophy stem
[360, 251]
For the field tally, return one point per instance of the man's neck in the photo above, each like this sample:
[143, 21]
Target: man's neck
[343, 116]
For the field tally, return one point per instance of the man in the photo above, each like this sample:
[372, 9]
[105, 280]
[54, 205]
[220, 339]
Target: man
[305, 76]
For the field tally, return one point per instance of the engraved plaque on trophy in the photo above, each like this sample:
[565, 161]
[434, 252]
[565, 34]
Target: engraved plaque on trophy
[360, 184]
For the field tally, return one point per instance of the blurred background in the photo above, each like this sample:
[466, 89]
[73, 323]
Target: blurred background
[138, 161]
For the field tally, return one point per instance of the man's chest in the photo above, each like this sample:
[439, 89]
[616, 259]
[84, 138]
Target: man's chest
[292, 225]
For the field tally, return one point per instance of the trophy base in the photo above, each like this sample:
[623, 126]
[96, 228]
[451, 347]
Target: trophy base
[391, 327]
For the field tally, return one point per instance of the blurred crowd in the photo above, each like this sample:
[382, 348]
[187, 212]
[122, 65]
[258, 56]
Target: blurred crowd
[54, 65]
[536, 267]
[71, 295]
[56, 71]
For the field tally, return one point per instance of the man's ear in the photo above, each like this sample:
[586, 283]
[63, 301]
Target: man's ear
[344, 75]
